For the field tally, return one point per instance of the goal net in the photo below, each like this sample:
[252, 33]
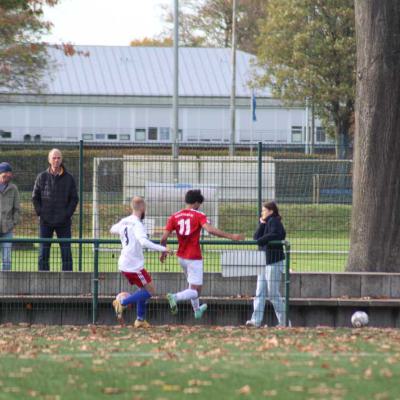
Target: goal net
[117, 180]
[332, 188]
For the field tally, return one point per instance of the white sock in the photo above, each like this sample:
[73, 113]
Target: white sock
[187, 294]
[195, 304]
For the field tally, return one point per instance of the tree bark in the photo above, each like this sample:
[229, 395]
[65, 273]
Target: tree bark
[375, 228]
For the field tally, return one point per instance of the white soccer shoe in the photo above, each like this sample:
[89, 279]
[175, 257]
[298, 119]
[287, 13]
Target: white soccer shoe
[251, 324]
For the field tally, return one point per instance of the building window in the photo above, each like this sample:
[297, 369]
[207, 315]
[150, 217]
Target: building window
[37, 138]
[297, 134]
[320, 135]
[124, 137]
[152, 133]
[5, 134]
[112, 136]
[140, 135]
[164, 133]
[27, 138]
[100, 136]
[87, 136]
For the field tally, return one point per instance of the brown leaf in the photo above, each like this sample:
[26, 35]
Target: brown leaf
[191, 390]
[270, 393]
[111, 390]
[245, 390]
[368, 373]
[171, 388]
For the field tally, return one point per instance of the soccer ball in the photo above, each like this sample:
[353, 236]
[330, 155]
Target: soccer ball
[122, 295]
[359, 319]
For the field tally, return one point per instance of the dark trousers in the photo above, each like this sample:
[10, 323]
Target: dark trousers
[46, 231]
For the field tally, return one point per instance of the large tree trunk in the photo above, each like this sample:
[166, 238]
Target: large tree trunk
[375, 231]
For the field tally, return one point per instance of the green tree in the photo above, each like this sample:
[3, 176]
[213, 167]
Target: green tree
[209, 23]
[22, 54]
[375, 233]
[307, 51]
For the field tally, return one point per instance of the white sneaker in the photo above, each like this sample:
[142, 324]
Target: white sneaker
[251, 324]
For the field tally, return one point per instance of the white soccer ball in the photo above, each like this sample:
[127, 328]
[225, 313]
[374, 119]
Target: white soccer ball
[359, 319]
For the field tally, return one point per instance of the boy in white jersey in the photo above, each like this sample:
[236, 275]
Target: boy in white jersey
[133, 237]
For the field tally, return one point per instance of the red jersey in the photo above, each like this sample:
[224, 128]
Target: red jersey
[187, 224]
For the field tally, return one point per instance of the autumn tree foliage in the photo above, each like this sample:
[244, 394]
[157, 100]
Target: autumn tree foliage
[22, 54]
[152, 42]
[306, 50]
[208, 23]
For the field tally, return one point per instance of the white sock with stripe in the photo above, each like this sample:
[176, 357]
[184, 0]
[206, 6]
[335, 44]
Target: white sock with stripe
[195, 304]
[187, 294]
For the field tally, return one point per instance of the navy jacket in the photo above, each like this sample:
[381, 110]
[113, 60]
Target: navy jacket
[271, 230]
[55, 198]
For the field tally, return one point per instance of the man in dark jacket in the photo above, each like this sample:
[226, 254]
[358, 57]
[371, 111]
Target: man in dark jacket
[55, 199]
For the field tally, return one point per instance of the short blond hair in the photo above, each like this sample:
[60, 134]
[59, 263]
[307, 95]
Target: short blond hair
[137, 202]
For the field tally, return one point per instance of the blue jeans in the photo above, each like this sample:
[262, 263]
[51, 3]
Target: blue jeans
[268, 284]
[46, 231]
[6, 251]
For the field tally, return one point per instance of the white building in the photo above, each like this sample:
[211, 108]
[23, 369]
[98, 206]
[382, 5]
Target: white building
[123, 94]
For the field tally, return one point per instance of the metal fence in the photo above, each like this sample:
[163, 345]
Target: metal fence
[314, 194]
[57, 297]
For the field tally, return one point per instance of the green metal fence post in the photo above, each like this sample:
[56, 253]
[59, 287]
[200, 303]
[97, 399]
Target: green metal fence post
[287, 284]
[95, 298]
[259, 178]
[80, 201]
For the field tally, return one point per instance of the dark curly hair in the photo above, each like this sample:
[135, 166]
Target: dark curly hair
[194, 196]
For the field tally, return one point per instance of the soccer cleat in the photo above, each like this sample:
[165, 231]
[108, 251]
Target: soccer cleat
[200, 311]
[172, 303]
[141, 324]
[119, 310]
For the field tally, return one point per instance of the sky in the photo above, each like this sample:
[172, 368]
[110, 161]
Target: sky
[104, 22]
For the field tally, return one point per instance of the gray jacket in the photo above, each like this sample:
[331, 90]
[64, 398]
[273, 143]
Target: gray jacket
[10, 208]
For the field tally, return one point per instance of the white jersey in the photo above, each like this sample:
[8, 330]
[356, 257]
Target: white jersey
[133, 237]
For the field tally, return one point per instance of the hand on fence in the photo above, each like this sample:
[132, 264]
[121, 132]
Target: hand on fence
[238, 237]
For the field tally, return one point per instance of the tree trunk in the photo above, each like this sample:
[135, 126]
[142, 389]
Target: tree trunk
[375, 224]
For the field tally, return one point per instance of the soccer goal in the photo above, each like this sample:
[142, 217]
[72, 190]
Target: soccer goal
[331, 188]
[117, 179]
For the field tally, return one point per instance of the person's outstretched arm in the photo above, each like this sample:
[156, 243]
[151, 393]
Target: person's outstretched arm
[141, 236]
[212, 230]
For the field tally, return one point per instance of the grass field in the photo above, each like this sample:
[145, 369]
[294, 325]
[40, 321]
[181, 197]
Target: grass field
[55, 363]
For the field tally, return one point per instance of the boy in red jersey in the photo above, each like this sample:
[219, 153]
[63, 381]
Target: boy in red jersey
[187, 224]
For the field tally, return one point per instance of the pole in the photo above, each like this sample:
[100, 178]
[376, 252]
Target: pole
[287, 284]
[233, 83]
[175, 99]
[307, 129]
[80, 201]
[259, 179]
[312, 127]
[95, 298]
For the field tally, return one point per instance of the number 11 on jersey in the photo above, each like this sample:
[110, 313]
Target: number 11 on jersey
[184, 227]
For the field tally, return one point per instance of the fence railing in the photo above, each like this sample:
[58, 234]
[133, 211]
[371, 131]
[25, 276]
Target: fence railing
[24, 285]
[314, 192]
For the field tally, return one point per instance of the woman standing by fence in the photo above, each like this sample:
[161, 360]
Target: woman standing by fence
[268, 283]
